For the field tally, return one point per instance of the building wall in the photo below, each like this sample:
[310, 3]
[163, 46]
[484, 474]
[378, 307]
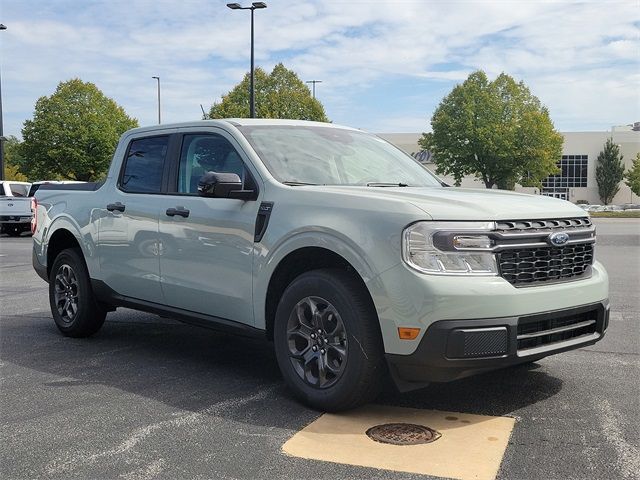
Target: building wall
[575, 143]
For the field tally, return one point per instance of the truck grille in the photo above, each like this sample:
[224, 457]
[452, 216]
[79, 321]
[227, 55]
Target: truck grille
[544, 264]
[537, 333]
[527, 256]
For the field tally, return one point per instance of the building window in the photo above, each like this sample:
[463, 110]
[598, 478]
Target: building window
[573, 173]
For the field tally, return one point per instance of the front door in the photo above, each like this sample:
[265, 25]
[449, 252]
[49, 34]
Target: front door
[128, 229]
[206, 244]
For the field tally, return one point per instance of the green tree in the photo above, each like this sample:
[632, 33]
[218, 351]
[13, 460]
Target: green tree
[11, 172]
[73, 133]
[13, 160]
[609, 171]
[280, 94]
[497, 131]
[633, 176]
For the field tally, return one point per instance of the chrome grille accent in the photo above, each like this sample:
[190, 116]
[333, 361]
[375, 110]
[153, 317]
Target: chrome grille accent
[526, 257]
[537, 333]
[553, 224]
[545, 264]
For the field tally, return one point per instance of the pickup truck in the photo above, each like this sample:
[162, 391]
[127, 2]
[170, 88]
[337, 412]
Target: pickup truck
[348, 254]
[15, 207]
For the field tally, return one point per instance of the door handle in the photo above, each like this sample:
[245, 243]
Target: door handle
[172, 212]
[116, 207]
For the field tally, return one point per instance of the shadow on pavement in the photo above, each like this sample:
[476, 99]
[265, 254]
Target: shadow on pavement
[195, 369]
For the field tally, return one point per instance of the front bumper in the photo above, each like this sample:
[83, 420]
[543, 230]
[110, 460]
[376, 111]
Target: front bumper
[453, 349]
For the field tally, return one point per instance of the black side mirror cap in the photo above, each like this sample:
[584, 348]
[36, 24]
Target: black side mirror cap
[223, 185]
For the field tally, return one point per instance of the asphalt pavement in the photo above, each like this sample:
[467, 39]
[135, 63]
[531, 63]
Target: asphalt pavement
[148, 397]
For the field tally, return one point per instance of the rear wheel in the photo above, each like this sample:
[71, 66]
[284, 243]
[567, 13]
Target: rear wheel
[73, 305]
[328, 341]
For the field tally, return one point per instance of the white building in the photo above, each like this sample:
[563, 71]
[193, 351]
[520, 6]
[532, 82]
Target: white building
[577, 180]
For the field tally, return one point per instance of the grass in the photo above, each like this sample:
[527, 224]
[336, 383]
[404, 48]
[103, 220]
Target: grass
[618, 214]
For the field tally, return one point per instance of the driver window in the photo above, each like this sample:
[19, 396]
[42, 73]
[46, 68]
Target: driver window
[202, 153]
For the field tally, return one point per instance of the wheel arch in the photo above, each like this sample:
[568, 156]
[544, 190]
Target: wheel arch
[294, 264]
[60, 240]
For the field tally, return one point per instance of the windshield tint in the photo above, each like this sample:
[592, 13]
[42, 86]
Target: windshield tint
[334, 156]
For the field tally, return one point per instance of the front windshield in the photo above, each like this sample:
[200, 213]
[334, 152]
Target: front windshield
[334, 156]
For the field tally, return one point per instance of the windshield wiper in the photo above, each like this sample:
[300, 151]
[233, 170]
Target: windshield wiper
[296, 184]
[386, 184]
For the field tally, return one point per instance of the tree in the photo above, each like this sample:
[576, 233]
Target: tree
[73, 133]
[497, 131]
[633, 176]
[280, 94]
[11, 172]
[609, 171]
[13, 160]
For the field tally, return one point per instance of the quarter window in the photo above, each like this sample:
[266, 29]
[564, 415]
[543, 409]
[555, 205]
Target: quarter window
[144, 165]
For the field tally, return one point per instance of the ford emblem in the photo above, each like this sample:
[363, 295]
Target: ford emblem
[558, 239]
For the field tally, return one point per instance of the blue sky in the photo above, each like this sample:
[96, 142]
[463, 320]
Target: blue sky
[384, 65]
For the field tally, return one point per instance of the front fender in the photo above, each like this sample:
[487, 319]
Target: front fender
[266, 260]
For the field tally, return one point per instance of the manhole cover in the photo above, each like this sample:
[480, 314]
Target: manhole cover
[402, 434]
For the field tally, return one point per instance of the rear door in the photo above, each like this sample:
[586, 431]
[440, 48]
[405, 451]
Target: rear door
[128, 246]
[207, 249]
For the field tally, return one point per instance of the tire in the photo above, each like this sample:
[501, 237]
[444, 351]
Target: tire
[347, 367]
[73, 304]
[14, 230]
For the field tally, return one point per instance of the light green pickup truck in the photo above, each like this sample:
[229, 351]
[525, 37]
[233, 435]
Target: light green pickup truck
[354, 259]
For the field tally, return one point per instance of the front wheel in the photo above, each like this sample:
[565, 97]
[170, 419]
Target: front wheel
[73, 305]
[327, 341]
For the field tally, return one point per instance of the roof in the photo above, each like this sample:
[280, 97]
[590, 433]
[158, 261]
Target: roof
[239, 122]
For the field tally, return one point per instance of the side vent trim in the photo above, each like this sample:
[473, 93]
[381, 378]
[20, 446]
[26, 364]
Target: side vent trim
[262, 220]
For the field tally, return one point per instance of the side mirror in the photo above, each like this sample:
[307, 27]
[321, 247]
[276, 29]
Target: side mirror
[223, 185]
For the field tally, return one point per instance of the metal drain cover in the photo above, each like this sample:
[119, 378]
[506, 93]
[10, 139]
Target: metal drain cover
[403, 434]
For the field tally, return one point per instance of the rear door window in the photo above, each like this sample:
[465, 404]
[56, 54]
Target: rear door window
[19, 190]
[144, 165]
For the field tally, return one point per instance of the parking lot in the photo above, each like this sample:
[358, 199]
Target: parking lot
[148, 397]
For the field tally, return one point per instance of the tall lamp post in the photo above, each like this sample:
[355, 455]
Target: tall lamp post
[254, 6]
[313, 82]
[158, 79]
[2, 139]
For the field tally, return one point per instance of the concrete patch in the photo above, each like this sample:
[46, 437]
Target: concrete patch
[471, 446]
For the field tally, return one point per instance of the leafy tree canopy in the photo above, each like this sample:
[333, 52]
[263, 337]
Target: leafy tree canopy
[633, 176]
[495, 130]
[13, 160]
[73, 133]
[279, 94]
[609, 171]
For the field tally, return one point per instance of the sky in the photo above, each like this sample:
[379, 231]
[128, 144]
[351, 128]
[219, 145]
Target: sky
[384, 65]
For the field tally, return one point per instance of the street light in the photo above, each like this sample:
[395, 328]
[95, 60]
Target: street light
[158, 79]
[2, 138]
[314, 85]
[254, 6]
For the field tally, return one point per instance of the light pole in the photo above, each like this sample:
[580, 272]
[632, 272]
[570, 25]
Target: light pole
[2, 139]
[158, 79]
[254, 6]
[314, 85]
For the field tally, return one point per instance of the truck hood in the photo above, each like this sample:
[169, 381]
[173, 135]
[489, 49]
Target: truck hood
[452, 203]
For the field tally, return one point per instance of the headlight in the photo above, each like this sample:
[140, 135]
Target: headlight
[450, 248]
